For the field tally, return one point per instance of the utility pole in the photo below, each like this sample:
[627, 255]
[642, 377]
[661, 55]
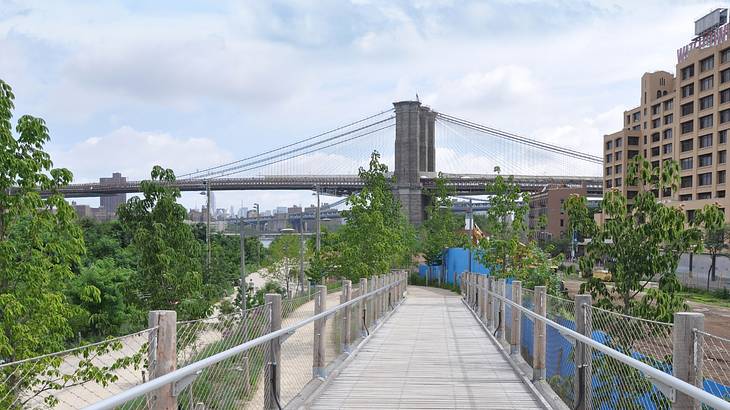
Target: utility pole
[258, 250]
[301, 249]
[318, 242]
[242, 289]
[471, 231]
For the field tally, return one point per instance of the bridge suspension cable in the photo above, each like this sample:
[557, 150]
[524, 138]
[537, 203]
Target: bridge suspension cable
[519, 139]
[227, 167]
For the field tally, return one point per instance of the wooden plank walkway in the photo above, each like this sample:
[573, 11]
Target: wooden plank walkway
[431, 354]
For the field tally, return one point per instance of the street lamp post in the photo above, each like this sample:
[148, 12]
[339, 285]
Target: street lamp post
[471, 231]
[258, 250]
[318, 222]
[301, 250]
[242, 284]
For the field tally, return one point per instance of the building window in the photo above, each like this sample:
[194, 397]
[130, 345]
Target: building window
[632, 153]
[685, 197]
[618, 142]
[704, 179]
[609, 157]
[669, 104]
[655, 109]
[722, 137]
[687, 127]
[706, 121]
[636, 116]
[609, 144]
[724, 116]
[619, 155]
[704, 160]
[684, 163]
[707, 83]
[706, 102]
[655, 164]
[618, 168]
[667, 193]
[704, 195]
[686, 182]
[725, 96]
[705, 141]
[609, 183]
[690, 215]
[686, 109]
[631, 194]
[608, 170]
[720, 177]
[707, 63]
[720, 194]
[655, 137]
[688, 72]
[617, 182]
[725, 75]
[725, 55]
[655, 151]
[633, 140]
[636, 127]
[668, 133]
[688, 90]
[667, 148]
[656, 123]
[686, 145]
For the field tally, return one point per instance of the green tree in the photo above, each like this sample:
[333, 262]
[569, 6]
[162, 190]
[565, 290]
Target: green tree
[638, 243]
[284, 259]
[715, 236]
[40, 242]
[509, 250]
[168, 272]
[377, 235]
[442, 228]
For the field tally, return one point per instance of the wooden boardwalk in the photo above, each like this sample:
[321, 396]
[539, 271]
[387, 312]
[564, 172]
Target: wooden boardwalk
[431, 354]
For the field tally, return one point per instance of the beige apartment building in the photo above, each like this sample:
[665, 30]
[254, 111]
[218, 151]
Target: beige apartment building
[683, 117]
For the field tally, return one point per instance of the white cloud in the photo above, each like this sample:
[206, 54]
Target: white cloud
[134, 153]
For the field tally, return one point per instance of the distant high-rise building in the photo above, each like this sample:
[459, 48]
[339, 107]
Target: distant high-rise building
[110, 203]
[280, 210]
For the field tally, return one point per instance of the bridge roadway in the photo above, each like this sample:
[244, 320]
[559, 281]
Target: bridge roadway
[331, 184]
[432, 353]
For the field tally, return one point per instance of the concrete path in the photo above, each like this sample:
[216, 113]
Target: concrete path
[431, 353]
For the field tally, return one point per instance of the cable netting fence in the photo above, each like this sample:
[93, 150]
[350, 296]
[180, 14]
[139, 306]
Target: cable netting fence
[617, 385]
[231, 383]
[715, 351]
[78, 377]
[296, 350]
[559, 357]
[508, 312]
[528, 326]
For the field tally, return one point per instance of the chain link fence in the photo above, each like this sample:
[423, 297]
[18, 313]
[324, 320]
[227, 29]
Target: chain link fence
[559, 356]
[77, 377]
[715, 351]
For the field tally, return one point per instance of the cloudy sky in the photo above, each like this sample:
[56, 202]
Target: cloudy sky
[125, 85]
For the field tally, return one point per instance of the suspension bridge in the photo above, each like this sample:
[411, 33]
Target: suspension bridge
[415, 142]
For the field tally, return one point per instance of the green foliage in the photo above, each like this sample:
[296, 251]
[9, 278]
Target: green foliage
[168, 272]
[639, 243]
[509, 250]
[377, 236]
[40, 242]
[442, 228]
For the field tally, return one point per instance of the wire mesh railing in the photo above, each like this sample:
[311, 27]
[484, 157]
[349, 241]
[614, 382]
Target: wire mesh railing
[77, 377]
[295, 350]
[595, 358]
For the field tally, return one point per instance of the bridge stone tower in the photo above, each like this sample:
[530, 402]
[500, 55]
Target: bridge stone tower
[414, 154]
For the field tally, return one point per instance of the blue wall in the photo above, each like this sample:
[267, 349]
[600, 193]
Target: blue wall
[456, 263]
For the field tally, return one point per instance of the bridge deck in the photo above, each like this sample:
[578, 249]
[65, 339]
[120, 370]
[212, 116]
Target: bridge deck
[431, 353]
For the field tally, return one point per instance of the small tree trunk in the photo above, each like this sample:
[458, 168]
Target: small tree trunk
[714, 266]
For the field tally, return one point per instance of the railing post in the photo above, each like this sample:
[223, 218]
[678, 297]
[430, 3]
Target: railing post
[362, 316]
[502, 316]
[538, 351]
[490, 302]
[515, 330]
[484, 298]
[687, 356]
[582, 385]
[480, 296]
[165, 357]
[371, 301]
[383, 301]
[272, 381]
[345, 297]
[318, 346]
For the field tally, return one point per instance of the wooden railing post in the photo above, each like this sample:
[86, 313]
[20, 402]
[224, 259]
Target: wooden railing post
[371, 301]
[163, 354]
[515, 330]
[582, 383]
[687, 356]
[502, 312]
[318, 346]
[362, 316]
[490, 302]
[272, 376]
[538, 351]
[345, 297]
[480, 296]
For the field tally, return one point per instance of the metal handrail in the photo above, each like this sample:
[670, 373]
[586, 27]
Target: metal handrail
[651, 372]
[193, 368]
